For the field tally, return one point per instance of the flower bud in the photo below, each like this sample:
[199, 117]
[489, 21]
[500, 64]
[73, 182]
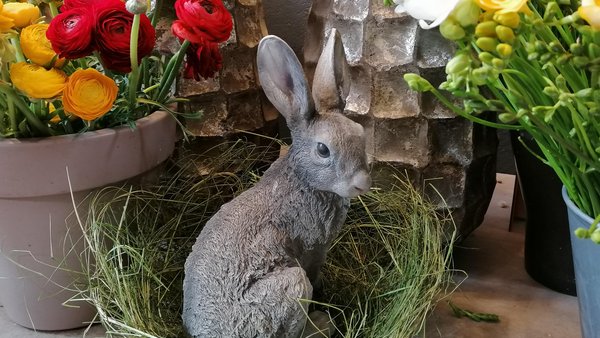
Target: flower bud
[498, 63]
[563, 59]
[504, 50]
[480, 76]
[486, 57]
[582, 233]
[136, 6]
[576, 49]
[466, 13]
[487, 44]
[486, 16]
[417, 83]
[510, 19]
[505, 34]
[540, 46]
[487, 28]
[507, 117]
[551, 91]
[545, 57]
[595, 237]
[451, 30]
[584, 93]
[556, 47]
[458, 63]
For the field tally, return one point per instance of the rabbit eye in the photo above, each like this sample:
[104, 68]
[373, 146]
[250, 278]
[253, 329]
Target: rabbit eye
[322, 150]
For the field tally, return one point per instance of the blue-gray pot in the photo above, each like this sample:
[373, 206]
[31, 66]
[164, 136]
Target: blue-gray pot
[586, 258]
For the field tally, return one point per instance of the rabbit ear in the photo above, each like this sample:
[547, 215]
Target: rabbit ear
[283, 81]
[331, 83]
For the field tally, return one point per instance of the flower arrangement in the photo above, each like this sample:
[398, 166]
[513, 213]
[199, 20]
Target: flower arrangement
[90, 64]
[537, 65]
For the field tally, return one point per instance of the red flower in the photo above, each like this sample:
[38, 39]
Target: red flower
[202, 60]
[202, 20]
[113, 31]
[70, 4]
[70, 33]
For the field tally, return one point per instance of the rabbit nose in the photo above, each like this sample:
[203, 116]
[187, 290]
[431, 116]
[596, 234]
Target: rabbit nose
[361, 182]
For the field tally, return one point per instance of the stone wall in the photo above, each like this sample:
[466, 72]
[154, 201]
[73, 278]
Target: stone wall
[410, 131]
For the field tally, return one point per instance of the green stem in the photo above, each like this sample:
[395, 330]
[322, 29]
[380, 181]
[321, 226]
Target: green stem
[40, 127]
[18, 51]
[172, 71]
[53, 9]
[12, 116]
[134, 76]
[468, 116]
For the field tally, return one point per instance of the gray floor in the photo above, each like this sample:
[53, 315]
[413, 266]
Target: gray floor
[492, 257]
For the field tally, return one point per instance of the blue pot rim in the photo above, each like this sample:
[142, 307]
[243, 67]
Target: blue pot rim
[573, 208]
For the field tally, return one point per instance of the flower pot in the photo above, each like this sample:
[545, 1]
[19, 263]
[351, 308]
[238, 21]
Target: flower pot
[547, 246]
[587, 271]
[40, 239]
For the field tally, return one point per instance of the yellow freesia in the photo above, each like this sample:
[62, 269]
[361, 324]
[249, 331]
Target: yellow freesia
[37, 47]
[89, 94]
[590, 12]
[6, 23]
[504, 6]
[36, 81]
[23, 13]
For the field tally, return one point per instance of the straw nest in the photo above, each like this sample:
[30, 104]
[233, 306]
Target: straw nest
[383, 275]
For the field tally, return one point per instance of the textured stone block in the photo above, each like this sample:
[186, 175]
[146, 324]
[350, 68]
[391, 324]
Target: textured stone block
[431, 107]
[451, 141]
[191, 87]
[350, 9]
[358, 101]
[244, 112]
[250, 25]
[238, 69]
[433, 50]
[214, 113]
[402, 140]
[391, 42]
[445, 185]
[351, 32]
[391, 96]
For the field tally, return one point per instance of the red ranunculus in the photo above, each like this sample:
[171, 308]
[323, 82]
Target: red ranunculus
[113, 31]
[70, 33]
[70, 4]
[202, 60]
[202, 20]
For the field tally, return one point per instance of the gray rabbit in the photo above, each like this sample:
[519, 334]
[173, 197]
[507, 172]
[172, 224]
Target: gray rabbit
[259, 256]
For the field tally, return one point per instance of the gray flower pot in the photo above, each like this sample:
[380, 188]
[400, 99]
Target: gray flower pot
[40, 238]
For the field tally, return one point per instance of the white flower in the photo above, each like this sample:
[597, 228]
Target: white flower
[426, 10]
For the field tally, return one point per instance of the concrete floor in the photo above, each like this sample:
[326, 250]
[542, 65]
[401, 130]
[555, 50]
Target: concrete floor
[492, 257]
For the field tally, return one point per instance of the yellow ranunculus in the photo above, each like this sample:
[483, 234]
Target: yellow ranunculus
[89, 94]
[23, 13]
[36, 81]
[504, 6]
[590, 12]
[6, 23]
[37, 47]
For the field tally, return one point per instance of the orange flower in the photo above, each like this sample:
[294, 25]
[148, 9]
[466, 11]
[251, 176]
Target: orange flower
[504, 6]
[89, 94]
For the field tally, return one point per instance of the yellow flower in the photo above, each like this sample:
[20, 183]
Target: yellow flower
[89, 94]
[6, 23]
[504, 6]
[23, 13]
[590, 12]
[37, 47]
[36, 81]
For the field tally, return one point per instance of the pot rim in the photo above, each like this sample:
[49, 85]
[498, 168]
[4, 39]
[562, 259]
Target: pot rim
[38, 167]
[571, 206]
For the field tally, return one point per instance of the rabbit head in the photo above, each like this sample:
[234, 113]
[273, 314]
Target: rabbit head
[328, 151]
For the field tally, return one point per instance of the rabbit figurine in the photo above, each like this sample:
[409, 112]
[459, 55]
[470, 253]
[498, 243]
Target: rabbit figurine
[259, 256]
